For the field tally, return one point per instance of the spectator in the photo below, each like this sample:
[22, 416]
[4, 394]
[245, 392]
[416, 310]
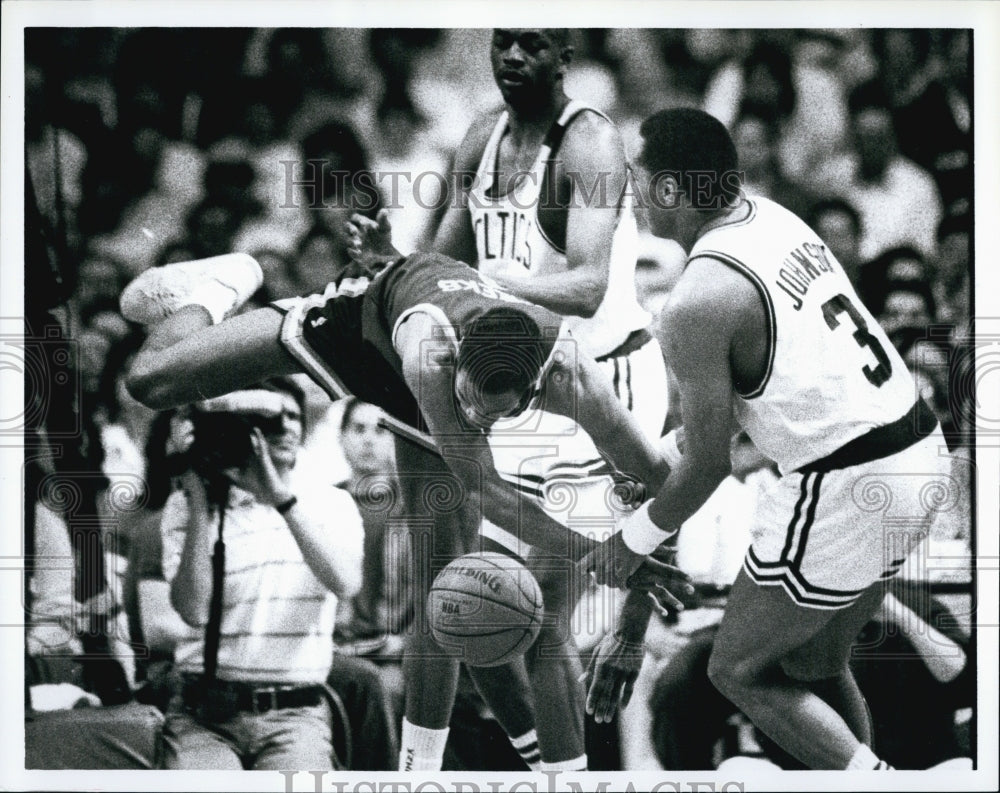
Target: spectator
[384, 602]
[818, 125]
[211, 226]
[55, 158]
[952, 283]
[279, 281]
[898, 265]
[839, 226]
[762, 79]
[155, 627]
[897, 199]
[908, 304]
[929, 96]
[99, 281]
[756, 137]
[320, 260]
[286, 566]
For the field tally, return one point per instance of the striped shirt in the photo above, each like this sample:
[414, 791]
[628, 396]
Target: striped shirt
[277, 618]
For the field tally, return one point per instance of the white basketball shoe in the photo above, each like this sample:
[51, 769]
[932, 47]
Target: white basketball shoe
[221, 284]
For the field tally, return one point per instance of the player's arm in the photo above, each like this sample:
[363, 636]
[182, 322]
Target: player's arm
[465, 448]
[701, 321]
[454, 235]
[593, 164]
[578, 388]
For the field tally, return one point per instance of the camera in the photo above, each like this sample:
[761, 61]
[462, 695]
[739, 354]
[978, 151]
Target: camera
[222, 440]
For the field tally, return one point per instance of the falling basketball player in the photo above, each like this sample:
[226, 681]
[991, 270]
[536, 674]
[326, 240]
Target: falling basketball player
[430, 340]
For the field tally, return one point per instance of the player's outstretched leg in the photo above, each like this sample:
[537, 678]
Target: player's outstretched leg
[554, 670]
[440, 532]
[507, 690]
[764, 629]
[187, 356]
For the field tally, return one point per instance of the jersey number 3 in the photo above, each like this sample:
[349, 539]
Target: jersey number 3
[840, 304]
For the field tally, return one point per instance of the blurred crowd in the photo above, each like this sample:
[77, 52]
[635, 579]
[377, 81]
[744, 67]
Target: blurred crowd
[146, 147]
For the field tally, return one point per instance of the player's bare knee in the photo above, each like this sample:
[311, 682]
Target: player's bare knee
[730, 675]
[810, 670]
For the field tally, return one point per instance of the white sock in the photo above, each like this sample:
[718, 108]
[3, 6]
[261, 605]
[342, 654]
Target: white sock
[214, 297]
[864, 759]
[576, 764]
[527, 747]
[421, 749]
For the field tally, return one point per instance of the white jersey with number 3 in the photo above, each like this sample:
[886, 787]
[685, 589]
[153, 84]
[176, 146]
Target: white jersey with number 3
[832, 374]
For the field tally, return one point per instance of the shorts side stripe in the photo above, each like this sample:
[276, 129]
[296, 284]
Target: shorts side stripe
[796, 514]
[810, 516]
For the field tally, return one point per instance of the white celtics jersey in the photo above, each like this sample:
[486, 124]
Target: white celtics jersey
[510, 241]
[832, 373]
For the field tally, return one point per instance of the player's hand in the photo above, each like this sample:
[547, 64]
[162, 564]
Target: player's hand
[668, 588]
[610, 676]
[612, 563]
[369, 242]
[616, 565]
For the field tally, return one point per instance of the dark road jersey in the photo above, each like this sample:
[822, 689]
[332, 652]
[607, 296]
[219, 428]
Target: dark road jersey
[450, 291]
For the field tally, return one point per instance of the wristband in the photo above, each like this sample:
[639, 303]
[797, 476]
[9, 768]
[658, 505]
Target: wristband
[671, 451]
[284, 506]
[640, 534]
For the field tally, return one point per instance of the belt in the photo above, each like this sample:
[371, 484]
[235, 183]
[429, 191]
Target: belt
[245, 697]
[881, 442]
[636, 340]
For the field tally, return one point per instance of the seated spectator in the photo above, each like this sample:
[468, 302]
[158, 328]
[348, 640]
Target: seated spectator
[928, 93]
[763, 79]
[838, 224]
[385, 600]
[211, 226]
[899, 265]
[952, 275]
[253, 694]
[756, 137]
[99, 281]
[928, 357]
[155, 627]
[907, 304]
[124, 423]
[897, 199]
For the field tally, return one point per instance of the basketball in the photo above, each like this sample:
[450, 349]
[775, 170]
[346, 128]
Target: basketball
[486, 608]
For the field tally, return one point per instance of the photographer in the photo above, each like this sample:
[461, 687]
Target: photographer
[253, 693]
